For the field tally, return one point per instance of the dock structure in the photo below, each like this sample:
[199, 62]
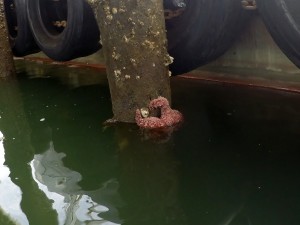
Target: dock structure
[237, 42]
[135, 49]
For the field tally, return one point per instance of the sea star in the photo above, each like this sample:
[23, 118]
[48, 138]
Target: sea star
[168, 117]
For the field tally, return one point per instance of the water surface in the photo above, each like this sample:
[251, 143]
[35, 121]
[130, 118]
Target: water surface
[234, 161]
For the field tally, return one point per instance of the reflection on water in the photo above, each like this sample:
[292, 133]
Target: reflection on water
[10, 194]
[60, 184]
[233, 162]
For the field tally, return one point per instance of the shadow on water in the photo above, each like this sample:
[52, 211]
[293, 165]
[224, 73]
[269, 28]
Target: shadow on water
[233, 162]
[241, 152]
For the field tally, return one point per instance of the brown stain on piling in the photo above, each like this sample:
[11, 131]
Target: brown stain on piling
[6, 58]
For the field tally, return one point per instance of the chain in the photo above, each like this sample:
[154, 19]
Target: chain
[170, 14]
[62, 23]
[249, 4]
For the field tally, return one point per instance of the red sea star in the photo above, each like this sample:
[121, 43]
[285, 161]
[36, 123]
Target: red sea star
[168, 117]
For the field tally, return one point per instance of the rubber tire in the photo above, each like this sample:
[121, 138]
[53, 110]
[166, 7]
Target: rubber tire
[22, 41]
[204, 32]
[282, 19]
[79, 38]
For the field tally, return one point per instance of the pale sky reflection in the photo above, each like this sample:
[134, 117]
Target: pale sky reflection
[11, 194]
[60, 184]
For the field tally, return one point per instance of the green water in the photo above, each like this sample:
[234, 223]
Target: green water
[235, 160]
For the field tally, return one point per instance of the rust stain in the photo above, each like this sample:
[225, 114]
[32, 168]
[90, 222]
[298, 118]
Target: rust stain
[100, 67]
[200, 76]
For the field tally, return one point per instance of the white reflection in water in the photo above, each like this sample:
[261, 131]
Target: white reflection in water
[60, 184]
[10, 194]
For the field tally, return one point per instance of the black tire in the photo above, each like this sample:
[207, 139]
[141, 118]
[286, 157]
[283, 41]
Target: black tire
[21, 39]
[203, 32]
[79, 38]
[282, 18]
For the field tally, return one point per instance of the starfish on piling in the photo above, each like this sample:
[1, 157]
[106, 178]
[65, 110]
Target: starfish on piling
[168, 117]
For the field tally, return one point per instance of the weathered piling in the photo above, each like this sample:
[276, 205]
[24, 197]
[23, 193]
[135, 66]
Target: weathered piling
[134, 46]
[6, 57]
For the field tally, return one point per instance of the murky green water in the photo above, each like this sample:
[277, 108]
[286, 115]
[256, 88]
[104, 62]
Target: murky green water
[235, 161]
